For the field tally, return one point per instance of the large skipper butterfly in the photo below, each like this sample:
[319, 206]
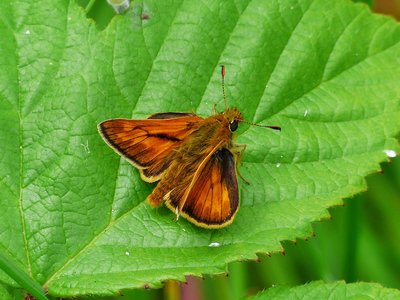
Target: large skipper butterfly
[194, 159]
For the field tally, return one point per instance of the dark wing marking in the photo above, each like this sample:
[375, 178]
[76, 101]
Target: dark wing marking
[170, 115]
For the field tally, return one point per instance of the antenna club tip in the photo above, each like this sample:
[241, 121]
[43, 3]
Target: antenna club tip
[265, 126]
[223, 70]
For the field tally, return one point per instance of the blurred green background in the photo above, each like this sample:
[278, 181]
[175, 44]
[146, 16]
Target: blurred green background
[360, 243]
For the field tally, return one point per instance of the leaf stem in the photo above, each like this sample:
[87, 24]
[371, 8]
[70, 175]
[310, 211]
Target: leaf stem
[352, 239]
[21, 277]
[171, 290]
[238, 280]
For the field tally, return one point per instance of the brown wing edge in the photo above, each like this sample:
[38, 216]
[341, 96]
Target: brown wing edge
[229, 178]
[113, 146]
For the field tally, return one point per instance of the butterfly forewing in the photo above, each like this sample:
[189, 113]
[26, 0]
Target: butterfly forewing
[148, 144]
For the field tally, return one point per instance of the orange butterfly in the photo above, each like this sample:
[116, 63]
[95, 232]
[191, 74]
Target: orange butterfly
[193, 157]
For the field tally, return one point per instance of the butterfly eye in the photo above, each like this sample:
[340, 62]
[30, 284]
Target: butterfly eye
[233, 125]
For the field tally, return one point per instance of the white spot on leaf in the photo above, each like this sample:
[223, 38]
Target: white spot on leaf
[390, 153]
[278, 165]
[306, 112]
[27, 32]
[214, 244]
[127, 253]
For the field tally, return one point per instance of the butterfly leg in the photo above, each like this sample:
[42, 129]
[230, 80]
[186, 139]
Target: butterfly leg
[177, 213]
[237, 151]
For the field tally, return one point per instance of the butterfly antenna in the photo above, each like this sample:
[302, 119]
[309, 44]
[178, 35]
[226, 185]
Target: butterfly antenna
[226, 105]
[223, 84]
[274, 127]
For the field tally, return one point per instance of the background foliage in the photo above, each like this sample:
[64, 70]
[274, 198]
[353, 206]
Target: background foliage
[336, 290]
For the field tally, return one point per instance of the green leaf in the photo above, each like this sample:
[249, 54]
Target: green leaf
[4, 293]
[74, 215]
[368, 2]
[7, 293]
[337, 290]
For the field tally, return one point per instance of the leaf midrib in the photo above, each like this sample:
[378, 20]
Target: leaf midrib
[21, 167]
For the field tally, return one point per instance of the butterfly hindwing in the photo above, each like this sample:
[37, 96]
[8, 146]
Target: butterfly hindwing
[213, 198]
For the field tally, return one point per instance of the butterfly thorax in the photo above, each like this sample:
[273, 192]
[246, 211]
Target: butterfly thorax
[210, 132]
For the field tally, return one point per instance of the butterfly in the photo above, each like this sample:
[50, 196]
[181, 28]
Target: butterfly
[194, 159]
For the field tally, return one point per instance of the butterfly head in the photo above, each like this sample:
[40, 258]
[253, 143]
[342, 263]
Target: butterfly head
[234, 116]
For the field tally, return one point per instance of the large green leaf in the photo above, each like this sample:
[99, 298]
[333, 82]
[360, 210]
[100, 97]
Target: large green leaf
[337, 290]
[9, 293]
[74, 215]
[4, 293]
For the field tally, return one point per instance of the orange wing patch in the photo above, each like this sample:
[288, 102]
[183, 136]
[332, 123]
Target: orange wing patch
[213, 199]
[148, 144]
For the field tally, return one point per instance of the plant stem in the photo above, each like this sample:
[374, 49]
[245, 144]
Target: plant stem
[352, 239]
[171, 290]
